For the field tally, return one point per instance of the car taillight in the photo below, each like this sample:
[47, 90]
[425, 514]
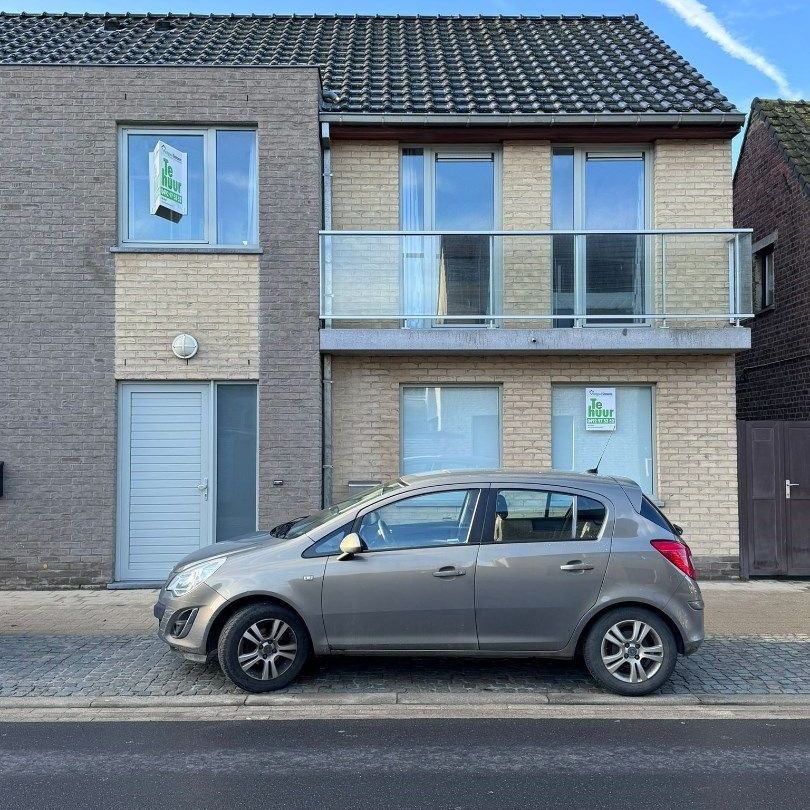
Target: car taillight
[678, 553]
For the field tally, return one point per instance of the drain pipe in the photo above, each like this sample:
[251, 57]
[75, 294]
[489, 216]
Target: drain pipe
[326, 359]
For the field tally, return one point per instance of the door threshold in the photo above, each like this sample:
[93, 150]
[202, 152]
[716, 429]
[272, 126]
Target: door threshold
[135, 584]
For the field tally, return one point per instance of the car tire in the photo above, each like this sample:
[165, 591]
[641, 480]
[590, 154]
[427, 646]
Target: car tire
[263, 647]
[630, 651]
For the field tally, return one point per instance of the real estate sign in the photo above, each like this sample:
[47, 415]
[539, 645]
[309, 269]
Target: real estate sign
[167, 182]
[600, 409]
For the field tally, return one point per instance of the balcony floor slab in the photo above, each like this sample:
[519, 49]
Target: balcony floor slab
[585, 340]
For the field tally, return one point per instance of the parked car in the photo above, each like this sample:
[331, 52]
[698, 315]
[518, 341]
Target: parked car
[484, 563]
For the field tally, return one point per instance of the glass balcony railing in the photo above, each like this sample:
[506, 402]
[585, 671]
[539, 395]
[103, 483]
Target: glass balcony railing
[533, 279]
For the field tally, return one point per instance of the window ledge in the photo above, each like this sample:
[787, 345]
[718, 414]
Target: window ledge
[184, 249]
[764, 311]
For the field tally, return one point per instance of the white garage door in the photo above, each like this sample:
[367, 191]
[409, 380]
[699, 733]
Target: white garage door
[164, 463]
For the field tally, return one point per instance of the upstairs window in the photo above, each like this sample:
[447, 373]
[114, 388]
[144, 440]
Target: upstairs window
[189, 187]
[764, 260]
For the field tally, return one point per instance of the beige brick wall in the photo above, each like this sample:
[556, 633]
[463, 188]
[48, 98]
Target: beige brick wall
[695, 424]
[215, 298]
[526, 206]
[692, 189]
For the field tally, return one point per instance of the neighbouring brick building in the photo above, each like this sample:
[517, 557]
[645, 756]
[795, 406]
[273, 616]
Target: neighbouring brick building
[772, 196]
[405, 244]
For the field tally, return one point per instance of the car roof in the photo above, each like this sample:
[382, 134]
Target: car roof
[495, 476]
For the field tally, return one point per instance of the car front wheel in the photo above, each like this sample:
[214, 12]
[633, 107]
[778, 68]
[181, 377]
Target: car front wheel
[263, 647]
[630, 651]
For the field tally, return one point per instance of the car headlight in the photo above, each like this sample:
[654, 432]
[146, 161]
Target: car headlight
[189, 579]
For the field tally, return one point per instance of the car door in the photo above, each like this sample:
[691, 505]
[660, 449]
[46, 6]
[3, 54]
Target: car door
[413, 585]
[540, 567]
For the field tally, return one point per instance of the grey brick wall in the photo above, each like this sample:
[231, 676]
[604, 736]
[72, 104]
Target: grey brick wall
[58, 163]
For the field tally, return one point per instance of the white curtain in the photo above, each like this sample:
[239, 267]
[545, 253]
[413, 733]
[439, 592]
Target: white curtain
[419, 268]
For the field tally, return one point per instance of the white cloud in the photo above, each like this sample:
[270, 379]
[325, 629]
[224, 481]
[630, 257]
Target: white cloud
[698, 16]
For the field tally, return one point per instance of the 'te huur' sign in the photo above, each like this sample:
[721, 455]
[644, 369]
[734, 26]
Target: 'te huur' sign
[600, 409]
[167, 182]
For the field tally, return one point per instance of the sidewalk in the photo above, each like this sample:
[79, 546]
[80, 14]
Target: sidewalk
[87, 646]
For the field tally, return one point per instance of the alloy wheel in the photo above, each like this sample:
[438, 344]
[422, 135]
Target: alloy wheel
[267, 649]
[632, 651]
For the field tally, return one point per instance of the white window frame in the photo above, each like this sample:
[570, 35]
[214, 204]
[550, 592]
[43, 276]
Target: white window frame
[209, 180]
[580, 155]
[496, 386]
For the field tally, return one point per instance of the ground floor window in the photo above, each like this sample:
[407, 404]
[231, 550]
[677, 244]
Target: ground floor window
[450, 427]
[236, 444]
[588, 421]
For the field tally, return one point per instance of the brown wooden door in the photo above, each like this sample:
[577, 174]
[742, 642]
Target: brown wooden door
[774, 517]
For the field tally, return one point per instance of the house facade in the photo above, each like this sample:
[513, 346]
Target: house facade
[772, 196]
[398, 245]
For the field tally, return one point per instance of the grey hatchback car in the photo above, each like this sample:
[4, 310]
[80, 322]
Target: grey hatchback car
[484, 563]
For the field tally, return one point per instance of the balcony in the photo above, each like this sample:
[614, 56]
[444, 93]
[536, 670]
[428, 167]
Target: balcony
[658, 290]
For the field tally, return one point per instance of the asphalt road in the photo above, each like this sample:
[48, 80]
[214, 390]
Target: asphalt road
[420, 764]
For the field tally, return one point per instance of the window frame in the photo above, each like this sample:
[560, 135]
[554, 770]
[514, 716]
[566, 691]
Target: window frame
[497, 386]
[765, 260]
[579, 153]
[209, 187]
[653, 495]
[488, 529]
[474, 536]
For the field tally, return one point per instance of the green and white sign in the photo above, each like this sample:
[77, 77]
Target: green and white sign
[600, 409]
[167, 182]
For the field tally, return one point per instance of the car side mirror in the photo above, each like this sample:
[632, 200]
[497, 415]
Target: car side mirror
[349, 546]
[678, 529]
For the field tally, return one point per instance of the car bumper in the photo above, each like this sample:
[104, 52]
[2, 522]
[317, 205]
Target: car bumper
[184, 621]
[686, 608]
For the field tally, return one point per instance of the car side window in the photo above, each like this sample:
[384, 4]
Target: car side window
[423, 521]
[532, 516]
[328, 545]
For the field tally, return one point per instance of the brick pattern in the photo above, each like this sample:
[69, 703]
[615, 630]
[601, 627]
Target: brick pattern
[692, 189]
[773, 377]
[214, 298]
[695, 423]
[58, 163]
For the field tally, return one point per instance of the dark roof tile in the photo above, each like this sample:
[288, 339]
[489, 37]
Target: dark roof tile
[789, 122]
[391, 65]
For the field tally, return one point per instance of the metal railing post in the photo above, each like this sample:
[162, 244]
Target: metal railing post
[664, 280]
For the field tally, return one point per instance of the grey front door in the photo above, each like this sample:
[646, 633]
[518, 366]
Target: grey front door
[540, 568]
[774, 467]
[413, 587]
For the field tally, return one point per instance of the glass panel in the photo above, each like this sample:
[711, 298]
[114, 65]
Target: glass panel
[562, 218]
[143, 226]
[435, 519]
[590, 517]
[530, 516]
[236, 460]
[420, 284]
[464, 201]
[614, 263]
[628, 450]
[236, 187]
[450, 428]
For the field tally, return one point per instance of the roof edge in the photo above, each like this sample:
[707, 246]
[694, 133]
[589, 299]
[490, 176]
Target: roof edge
[546, 119]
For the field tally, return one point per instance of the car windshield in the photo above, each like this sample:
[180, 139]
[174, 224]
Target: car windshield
[317, 519]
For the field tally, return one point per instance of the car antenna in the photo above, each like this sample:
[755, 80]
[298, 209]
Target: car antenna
[595, 470]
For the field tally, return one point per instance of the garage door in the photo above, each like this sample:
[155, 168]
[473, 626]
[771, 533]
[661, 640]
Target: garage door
[164, 462]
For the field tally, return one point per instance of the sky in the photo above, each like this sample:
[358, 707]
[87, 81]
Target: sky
[747, 48]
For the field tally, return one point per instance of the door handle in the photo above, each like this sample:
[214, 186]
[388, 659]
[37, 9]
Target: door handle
[576, 565]
[449, 571]
[788, 485]
[203, 488]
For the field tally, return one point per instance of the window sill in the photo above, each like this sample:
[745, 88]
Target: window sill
[185, 249]
[764, 311]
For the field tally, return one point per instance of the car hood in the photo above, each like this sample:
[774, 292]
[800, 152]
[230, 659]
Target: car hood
[237, 546]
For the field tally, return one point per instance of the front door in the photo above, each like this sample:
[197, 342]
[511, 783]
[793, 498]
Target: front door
[413, 586]
[775, 497]
[540, 568]
[164, 462]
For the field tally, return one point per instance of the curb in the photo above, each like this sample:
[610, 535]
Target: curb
[401, 698]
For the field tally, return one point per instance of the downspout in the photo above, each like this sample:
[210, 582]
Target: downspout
[326, 359]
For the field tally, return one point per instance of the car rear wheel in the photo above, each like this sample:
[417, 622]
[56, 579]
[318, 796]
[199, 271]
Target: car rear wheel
[263, 647]
[630, 651]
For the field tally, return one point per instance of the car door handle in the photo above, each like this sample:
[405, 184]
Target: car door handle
[576, 565]
[449, 571]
